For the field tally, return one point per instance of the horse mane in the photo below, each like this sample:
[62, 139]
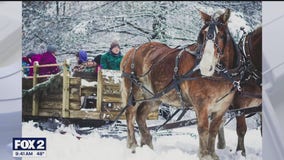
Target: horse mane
[216, 15]
[258, 30]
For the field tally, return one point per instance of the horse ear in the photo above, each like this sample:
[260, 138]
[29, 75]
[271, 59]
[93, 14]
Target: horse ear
[224, 17]
[204, 16]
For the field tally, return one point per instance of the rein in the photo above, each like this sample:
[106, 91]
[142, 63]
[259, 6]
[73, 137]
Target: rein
[250, 95]
[235, 75]
[245, 45]
[174, 84]
[232, 74]
[245, 66]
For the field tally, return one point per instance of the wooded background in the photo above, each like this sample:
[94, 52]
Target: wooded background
[92, 26]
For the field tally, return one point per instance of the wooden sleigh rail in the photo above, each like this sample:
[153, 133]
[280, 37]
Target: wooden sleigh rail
[65, 101]
[35, 77]
[36, 66]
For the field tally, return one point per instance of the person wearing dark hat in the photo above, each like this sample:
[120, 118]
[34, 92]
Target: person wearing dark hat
[97, 61]
[111, 59]
[48, 58]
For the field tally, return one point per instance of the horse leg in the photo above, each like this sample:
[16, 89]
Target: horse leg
[142, 113]
[130, 119]
[260, 116]
[241, 131]
[221, 137]
[213, 130]
[202, 127]
[127, 92]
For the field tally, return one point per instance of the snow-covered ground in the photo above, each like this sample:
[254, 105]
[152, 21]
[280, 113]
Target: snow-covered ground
[181, 146]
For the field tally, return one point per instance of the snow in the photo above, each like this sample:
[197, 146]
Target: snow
[92, 26]
[182, 146]
[80, 28]
[85, 83]
[112, 75]
[235, 23]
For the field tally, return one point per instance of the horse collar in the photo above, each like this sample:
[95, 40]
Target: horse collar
[246, 44]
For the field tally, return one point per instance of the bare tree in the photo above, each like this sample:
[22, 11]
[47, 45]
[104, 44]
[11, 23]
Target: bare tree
[93, 25]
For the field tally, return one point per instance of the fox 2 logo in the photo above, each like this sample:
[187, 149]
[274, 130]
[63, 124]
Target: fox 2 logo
[29, 143]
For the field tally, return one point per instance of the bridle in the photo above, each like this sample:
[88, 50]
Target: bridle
[211, 36]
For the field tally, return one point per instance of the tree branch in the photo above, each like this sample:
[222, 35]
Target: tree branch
[40, 38]
[138, 28]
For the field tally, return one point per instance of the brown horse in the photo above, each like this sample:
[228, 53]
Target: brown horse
[251, 85]
[151, 68]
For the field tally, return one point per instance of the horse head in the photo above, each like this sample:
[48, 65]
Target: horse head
[212, 40]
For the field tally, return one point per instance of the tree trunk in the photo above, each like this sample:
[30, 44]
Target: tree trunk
[64, 7]
[57, 8]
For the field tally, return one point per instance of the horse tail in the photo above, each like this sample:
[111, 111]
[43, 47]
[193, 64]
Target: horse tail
[125, 86]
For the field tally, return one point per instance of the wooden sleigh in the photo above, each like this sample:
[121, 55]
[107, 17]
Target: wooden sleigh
[78, 96]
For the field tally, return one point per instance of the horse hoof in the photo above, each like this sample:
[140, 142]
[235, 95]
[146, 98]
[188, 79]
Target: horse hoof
[133, 151]
[147, 141]
[221, 145]
[131, 144]
[150, 145]
[244, 153]
[132, 147]
[209, 157]
[214, 156]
